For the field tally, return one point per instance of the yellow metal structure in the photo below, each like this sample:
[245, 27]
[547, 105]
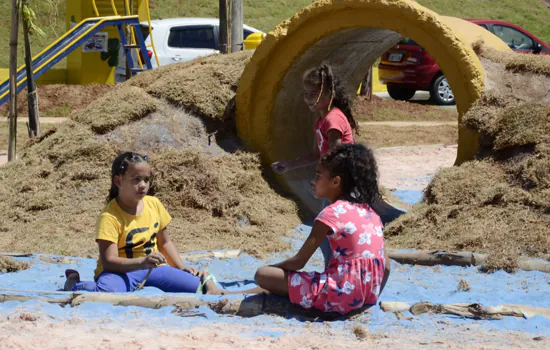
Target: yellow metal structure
[128, 12]
[91, 67]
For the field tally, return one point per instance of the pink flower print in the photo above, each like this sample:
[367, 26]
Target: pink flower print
[361, 211]
[379, 231]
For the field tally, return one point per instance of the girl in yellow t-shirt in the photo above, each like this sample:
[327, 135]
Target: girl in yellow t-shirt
[133, 240]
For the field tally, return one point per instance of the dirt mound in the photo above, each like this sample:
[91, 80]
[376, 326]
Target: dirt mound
[211, 188]
[59, 100]
[499, 203]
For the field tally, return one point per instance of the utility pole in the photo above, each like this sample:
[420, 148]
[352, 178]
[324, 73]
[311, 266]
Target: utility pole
[224, 40]
[32, 97]
[237, 39]
[12, 138]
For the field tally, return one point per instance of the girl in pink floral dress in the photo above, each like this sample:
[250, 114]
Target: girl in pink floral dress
[359, 268]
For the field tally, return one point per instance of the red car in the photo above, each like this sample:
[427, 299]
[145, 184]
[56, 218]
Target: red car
[407, 67]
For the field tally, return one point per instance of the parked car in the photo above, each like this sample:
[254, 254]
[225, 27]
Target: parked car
[183, 39]
[407, 67]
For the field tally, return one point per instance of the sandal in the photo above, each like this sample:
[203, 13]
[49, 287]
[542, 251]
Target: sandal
[68, 273]
[202, 285]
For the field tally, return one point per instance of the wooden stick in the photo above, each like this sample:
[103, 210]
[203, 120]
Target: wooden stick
[16, 255]
[441, 257]
[438, 257]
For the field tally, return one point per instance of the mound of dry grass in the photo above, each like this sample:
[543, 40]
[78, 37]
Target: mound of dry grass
[122, 106]
[52, 196]
[499, 203]
[515, 62]
[8, 265]
[202, 87]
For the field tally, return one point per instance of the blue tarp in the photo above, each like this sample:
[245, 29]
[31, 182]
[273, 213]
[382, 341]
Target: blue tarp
[407, 283]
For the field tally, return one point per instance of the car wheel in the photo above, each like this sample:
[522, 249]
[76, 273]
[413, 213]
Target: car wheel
[441, 93]
[400, 93]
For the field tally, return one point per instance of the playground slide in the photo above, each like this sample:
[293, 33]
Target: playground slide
[62, 47]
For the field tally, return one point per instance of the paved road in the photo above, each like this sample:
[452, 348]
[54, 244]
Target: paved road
[421, 97]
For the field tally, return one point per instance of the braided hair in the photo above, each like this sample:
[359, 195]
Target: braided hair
[328, 81]
[119, 168]
[356, 166]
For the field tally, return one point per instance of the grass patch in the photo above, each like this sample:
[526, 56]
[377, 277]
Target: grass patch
[22, 134]
[265, 15]
[379, 109]
[8, 265]
[389, 136]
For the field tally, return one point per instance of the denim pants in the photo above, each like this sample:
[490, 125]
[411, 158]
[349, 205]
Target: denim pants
[166, 278]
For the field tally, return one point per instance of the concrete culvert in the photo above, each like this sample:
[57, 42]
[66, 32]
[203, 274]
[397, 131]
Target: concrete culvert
[271, 115]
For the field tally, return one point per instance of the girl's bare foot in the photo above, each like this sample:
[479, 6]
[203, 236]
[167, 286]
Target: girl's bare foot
[210, 287]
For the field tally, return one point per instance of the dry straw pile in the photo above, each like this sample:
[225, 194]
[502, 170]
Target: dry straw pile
[499, 203]
[216, 193]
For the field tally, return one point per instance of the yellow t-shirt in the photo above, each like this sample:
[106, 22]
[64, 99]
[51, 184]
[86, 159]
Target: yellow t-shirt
[135, 235]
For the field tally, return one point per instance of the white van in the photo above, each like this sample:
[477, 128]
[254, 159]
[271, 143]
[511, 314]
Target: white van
[178, 40]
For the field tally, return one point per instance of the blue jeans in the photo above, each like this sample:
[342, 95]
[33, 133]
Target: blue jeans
[166, 278]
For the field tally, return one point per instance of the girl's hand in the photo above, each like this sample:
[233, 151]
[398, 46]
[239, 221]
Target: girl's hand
[153, 260]
[281, 167]
[191, 270]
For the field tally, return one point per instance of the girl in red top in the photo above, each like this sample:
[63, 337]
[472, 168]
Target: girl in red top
[326, 97]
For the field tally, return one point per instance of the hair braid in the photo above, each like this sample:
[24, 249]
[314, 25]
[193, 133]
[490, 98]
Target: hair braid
[324, 77]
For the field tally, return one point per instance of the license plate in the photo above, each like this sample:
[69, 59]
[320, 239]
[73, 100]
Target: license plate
[395, 57]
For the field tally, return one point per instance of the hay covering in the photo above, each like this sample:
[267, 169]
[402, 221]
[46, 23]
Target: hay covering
[122, 106]
[515, 62]
[52, 196]
[499, 203]
[8, 265]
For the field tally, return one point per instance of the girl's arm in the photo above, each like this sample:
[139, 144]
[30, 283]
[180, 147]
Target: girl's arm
[334, 138]
[316, 237]
[386, 271]
[108, 253]
[169, 250]
[300, 162]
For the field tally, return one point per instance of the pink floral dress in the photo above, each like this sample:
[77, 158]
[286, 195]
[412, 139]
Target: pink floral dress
[356, 269]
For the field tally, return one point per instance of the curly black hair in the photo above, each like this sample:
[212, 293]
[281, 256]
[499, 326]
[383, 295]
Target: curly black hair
[120, 166]
[356, 166]
[328, 81]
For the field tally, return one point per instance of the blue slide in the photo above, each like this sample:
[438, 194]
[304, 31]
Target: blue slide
[69, 42]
